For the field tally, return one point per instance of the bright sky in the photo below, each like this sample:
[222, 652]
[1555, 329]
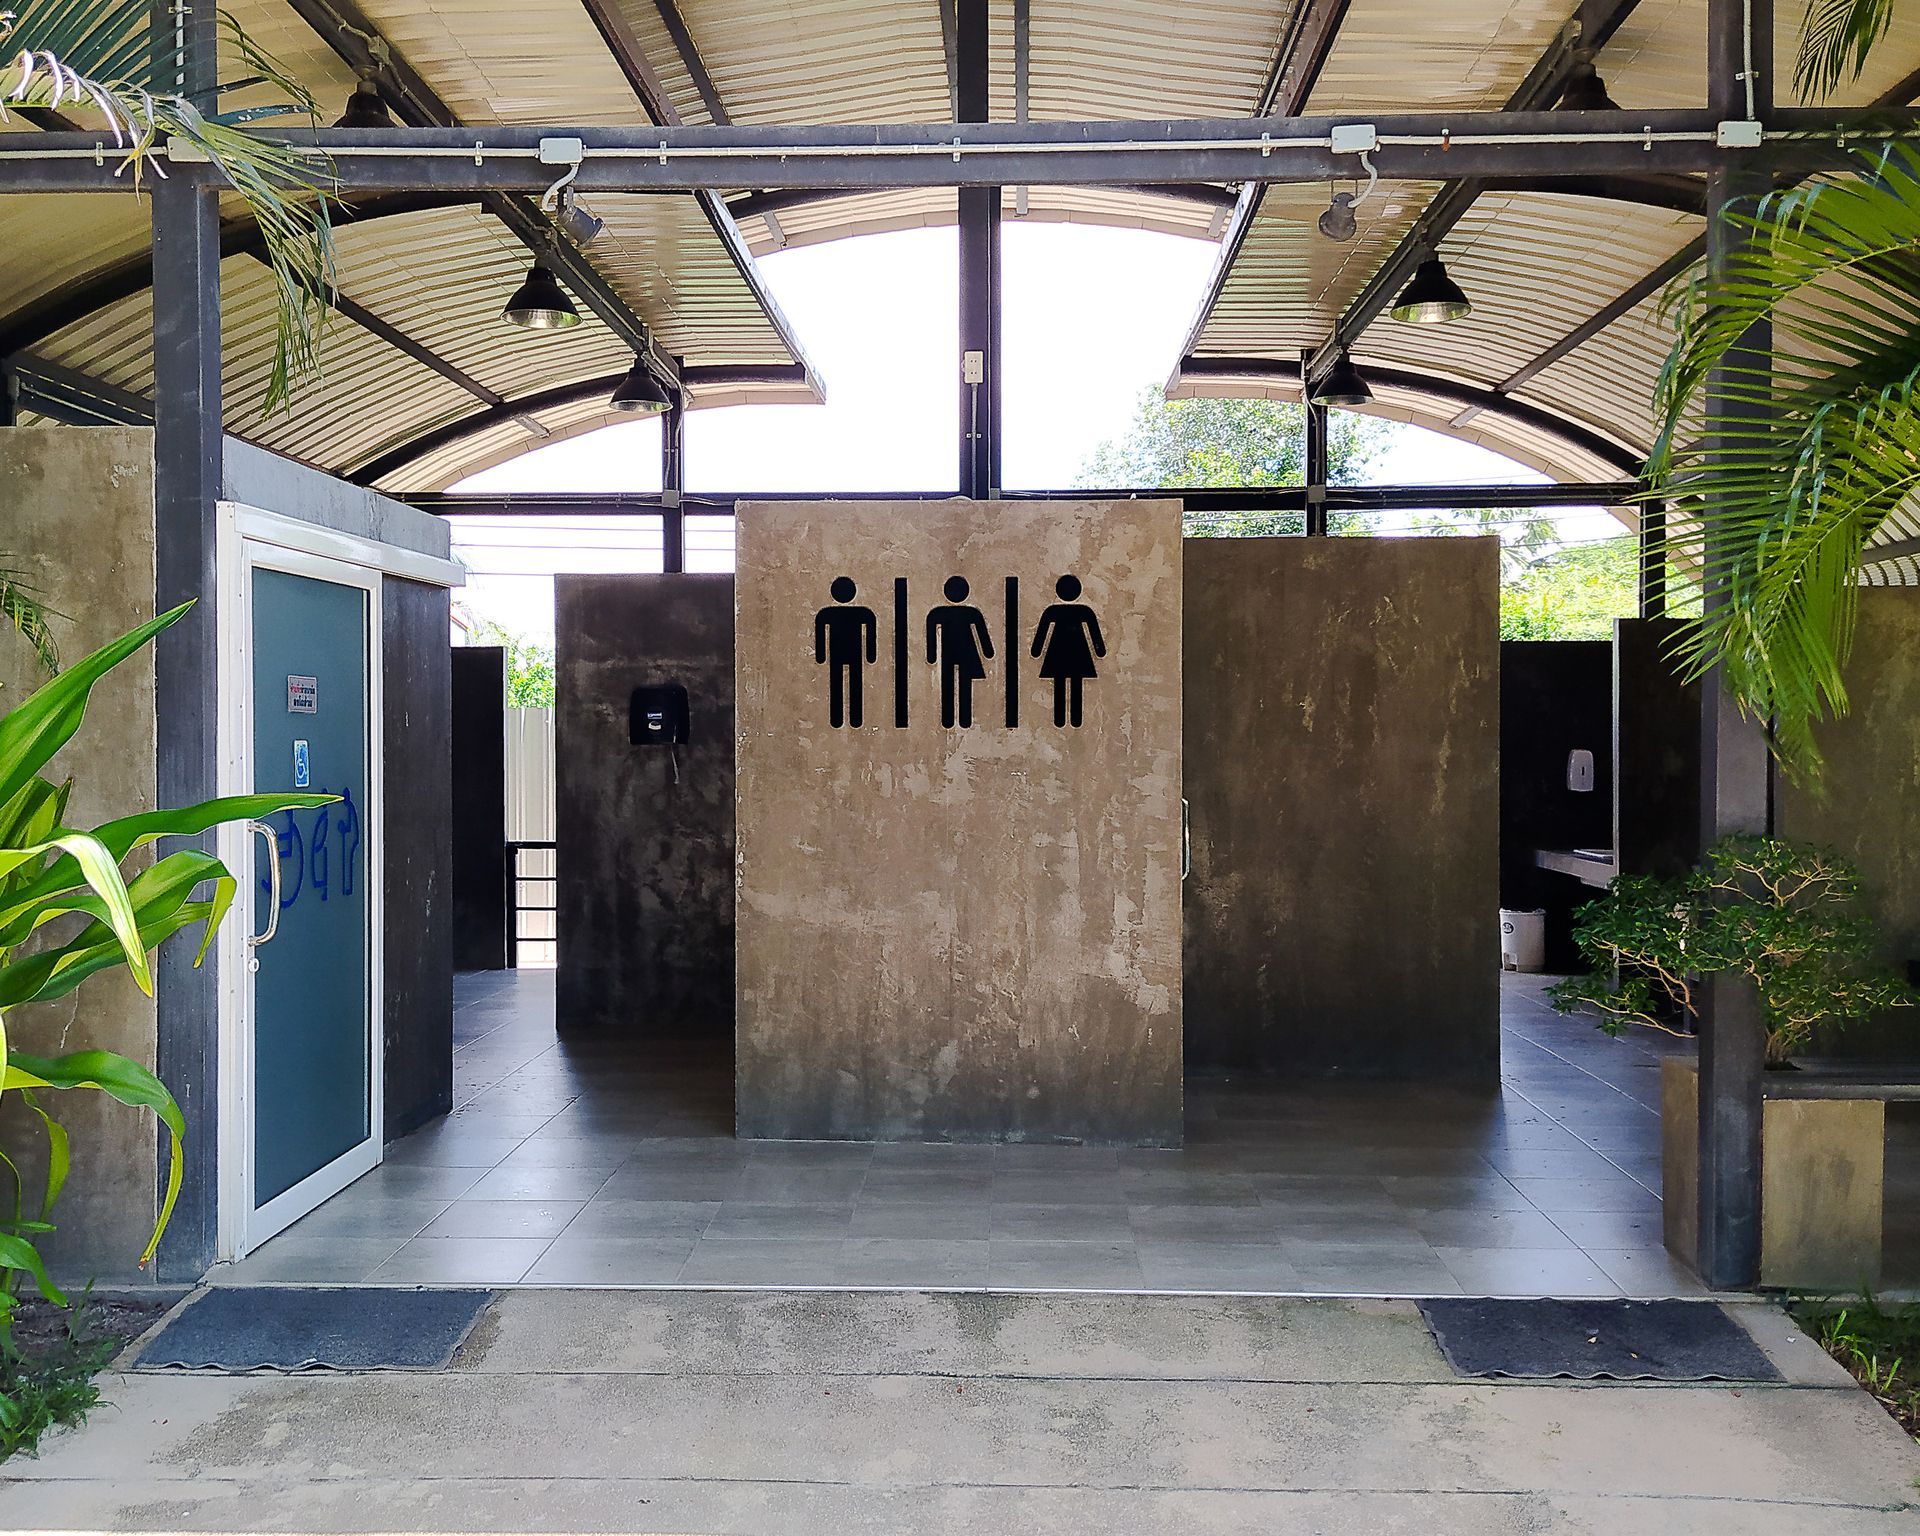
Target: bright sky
[1093, 316]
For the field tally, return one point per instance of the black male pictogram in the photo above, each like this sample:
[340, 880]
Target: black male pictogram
[845, 641]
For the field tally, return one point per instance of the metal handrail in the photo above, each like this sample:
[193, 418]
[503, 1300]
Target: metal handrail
[515, 906]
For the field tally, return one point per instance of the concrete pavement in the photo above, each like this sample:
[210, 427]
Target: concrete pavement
[782, 1412]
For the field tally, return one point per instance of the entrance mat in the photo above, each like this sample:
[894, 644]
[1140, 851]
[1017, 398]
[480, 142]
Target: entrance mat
[288, 1328]
[1624, 1340]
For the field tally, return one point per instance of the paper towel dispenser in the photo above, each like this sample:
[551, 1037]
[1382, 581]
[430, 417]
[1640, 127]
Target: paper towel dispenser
[657, 715]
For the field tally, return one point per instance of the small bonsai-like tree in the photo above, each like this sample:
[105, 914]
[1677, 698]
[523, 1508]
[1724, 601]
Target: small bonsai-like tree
[1785, 916]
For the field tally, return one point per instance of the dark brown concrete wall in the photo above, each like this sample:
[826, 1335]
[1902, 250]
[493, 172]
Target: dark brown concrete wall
[965, 933]
[479, 737]
[417, 779]
[1869, 806]
[1342, 750]
[645, 863]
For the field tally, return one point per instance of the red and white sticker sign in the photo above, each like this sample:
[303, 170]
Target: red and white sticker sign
[303, 695]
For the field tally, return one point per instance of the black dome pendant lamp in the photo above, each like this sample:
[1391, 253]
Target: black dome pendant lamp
[640, 392]
[540, 303]
[1341, 384]
[1432, 297]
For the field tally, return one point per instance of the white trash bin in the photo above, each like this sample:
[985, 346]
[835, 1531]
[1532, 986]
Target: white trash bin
[1523, 940]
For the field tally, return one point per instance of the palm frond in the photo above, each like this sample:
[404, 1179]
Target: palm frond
[1812, 444]
[1835, 40]
[20, 606]
[95, 56]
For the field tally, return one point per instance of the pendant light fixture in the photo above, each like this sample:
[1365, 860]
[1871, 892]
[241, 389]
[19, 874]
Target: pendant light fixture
[640, 392]
[1586, 91]
[1432, 297]
[1341, 384]
[365, 109]
[540, 303]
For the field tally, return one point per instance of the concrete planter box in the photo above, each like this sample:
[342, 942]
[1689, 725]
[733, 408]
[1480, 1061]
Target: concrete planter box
[1823, 1163]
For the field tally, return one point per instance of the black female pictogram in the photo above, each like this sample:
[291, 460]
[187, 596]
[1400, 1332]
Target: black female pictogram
[1067, 641]
[957, 642]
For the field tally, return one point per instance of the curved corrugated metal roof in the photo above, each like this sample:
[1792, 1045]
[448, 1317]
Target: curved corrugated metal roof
[1539, 264]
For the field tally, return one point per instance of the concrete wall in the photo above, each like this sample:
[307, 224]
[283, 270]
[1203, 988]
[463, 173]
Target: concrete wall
[1342, 720]
[1868, 806]
[961, 934]
[417, 780]
[645, 859]
[78, 520]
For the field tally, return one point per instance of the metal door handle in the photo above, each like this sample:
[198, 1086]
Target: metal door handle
[255, 940]
[1186, 839]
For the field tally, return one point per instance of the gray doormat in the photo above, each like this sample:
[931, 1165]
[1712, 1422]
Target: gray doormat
[251, 1328]
[1625, 1340]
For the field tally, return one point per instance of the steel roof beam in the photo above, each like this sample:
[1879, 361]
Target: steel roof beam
[1295, 70]
[341, 25]
[716, 374]
[624, 44]
[1589, 29]
[1585, 438]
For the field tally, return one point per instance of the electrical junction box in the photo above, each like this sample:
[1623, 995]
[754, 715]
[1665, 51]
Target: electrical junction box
[657, 715]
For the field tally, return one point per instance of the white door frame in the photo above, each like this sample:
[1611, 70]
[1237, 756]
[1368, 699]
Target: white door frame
[250, 539]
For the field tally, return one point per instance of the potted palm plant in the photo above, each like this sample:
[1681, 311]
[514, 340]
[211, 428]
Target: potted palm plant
[1789, 920]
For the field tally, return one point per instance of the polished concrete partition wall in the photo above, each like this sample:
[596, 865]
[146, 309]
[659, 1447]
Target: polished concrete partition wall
[645, 833]
[1342, 749]
[1867, 805]
[966, 931]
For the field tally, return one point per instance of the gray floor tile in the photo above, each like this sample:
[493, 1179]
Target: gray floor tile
[744, 1220]
[1033, 1186]
[912, 1262]
[503, 1218]
[540, 1184]
[1459, 1193]
[923, 1219]
[643, 1218]
[1016, 1263]
[461, 1261]
[662, 1182]
[1648, 1272]
[1612, 1194]
[353, 1214]
[1527, 1272]
[332, 1261]
[416, 1181]
[800, 1261]
[1612, 1229]
[1207, 1224]
[1488, 1229]
[801, 1185]
[571, 1260]
[1062, 1223]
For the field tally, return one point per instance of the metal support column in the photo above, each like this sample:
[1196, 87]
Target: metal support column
[1314, 419]
[1653, 560]
[187, 475]
[673, 485]
[1735, 770]
[979, 214]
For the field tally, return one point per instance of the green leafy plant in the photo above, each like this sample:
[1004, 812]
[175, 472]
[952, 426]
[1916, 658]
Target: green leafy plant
[1786, 917]
[95, 58]
[1817, 441]
[20, 606]
[1877, 1343]
[67, 912]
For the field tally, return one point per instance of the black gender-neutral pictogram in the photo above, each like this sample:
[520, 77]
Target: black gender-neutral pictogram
[959, 644]
[1066, 642]
[845, 641]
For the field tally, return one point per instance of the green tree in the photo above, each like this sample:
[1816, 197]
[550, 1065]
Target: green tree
[1573, 592]
[1228, 443]
[529, 665]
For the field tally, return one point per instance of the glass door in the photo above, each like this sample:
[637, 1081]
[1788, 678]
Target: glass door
[310, 999]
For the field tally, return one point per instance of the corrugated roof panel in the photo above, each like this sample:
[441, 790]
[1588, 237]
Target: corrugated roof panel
[91, 233]
[1415, 56]
[1290, 282]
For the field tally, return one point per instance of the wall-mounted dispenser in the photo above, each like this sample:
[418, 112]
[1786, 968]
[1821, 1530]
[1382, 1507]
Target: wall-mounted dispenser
[657, 715]
[1580, 771]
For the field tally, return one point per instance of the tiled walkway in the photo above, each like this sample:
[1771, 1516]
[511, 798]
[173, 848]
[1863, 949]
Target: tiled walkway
[596, 1164]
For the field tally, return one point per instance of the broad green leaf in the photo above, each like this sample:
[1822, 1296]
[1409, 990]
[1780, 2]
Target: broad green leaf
[102, 874]
[59, 1151]
[18, 1253]
[42, 723]
[179, 872]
